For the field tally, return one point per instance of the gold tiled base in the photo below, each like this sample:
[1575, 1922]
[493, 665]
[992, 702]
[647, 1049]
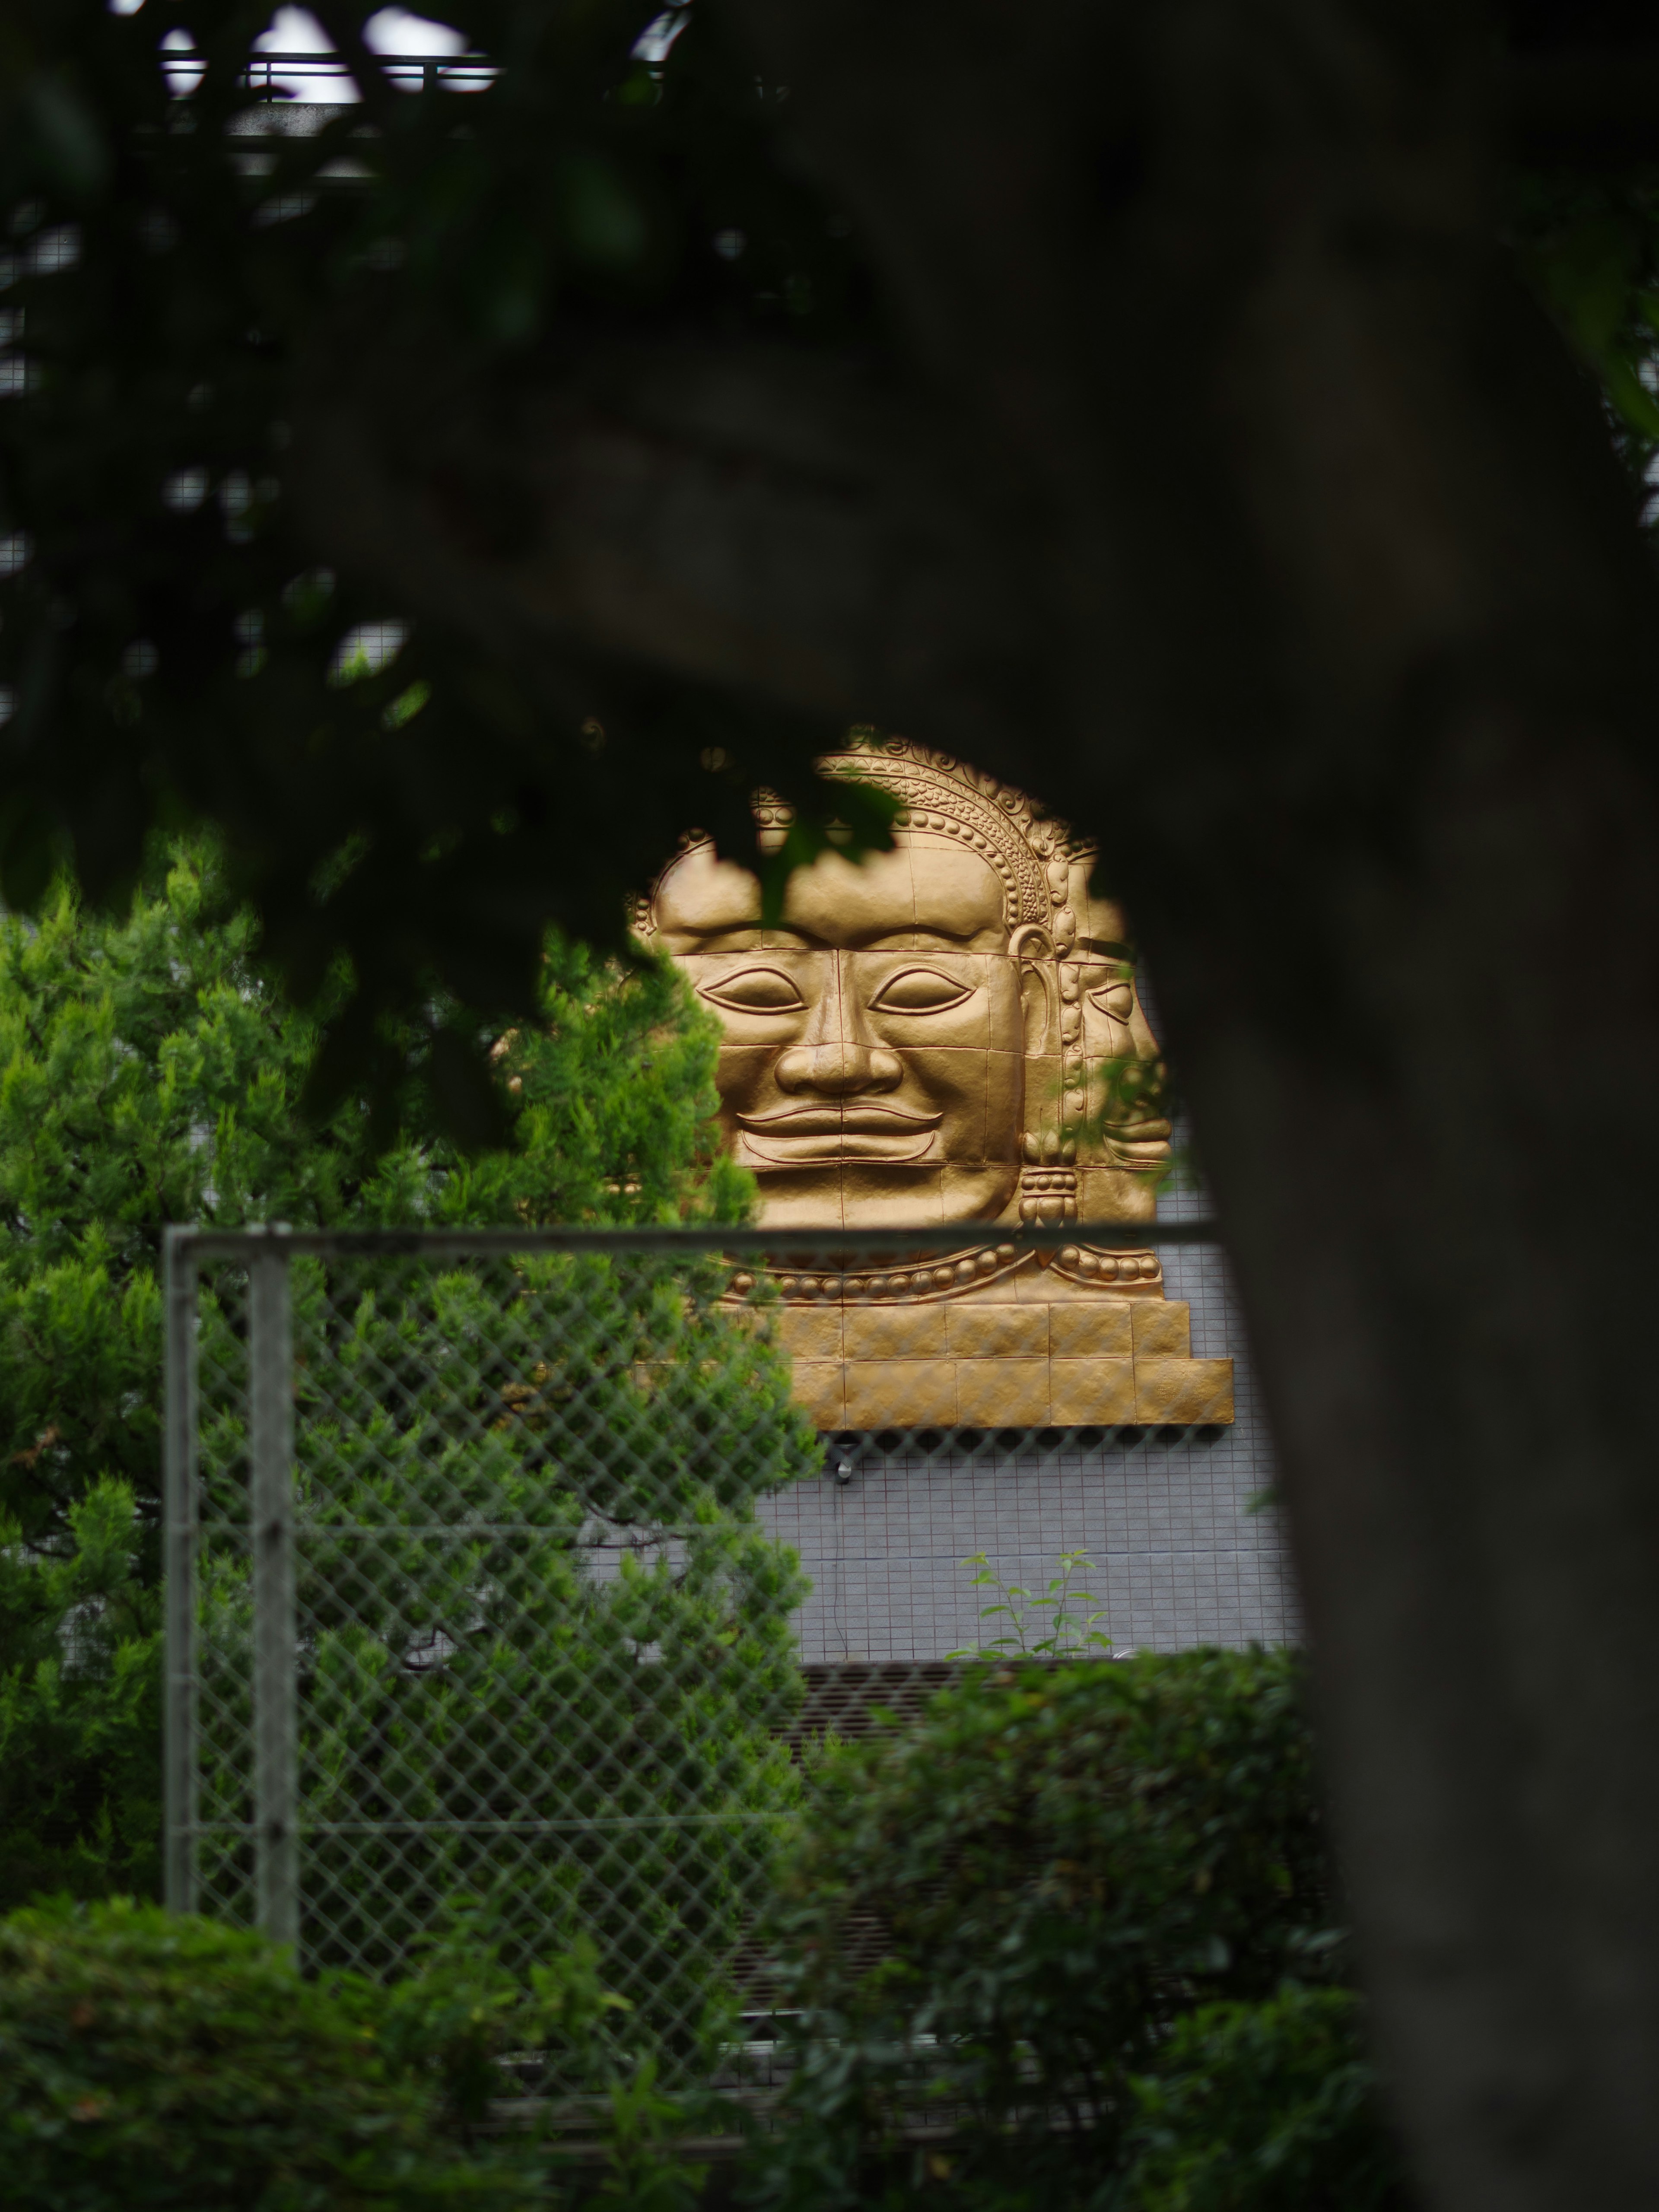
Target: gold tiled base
[1182, 1392]
[1002, 1393]
[1083, 1392]
[1103, 1363]
[821, 1386]
[901, 1393]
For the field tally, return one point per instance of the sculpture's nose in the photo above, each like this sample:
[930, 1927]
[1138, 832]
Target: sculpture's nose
[838, 1070]
[837, 1057]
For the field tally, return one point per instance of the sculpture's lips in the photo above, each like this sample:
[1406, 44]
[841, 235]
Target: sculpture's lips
[860, 1130]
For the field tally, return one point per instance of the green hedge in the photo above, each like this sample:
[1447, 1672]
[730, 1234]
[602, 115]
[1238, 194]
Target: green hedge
[1079, 1920]
[997, 1919]
[150, 2062]
[1268, 2107]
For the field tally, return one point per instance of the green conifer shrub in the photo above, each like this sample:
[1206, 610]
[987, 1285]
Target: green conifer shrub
[148, 1073]
[80, 1719]
[462, 1434]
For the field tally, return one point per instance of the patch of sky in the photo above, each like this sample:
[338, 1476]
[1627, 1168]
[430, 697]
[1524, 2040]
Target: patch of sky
[367, 650]
[297, 58]
[659, 35]
[393, 32]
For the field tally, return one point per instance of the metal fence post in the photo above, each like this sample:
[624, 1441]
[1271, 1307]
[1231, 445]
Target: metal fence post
[275, 1656]
[178, 1518]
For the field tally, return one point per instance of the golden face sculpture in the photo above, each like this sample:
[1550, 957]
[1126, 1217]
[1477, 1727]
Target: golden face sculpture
[947, 1032]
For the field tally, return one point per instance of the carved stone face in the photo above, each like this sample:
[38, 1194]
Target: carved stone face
[878, 1043]
[950, 1032]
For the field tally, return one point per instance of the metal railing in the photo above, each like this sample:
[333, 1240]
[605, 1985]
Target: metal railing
[265, 74]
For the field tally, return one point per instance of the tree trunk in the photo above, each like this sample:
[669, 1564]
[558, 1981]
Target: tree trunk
[1353, 646]
[1241, 506]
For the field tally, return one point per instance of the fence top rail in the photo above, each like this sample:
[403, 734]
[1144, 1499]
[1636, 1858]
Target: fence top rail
[187, 1243]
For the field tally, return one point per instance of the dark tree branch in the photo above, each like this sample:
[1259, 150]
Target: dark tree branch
[1239, 501]
[1594, 107]
[1352, 647]
[751, 519]
[344, 29]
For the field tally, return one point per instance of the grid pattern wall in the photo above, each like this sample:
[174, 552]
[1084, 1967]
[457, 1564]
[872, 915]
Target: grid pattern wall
[1182, 1548]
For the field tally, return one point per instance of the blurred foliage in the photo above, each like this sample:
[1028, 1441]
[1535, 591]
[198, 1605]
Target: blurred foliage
[192, 2054]
[1589, 246]
[154, 2062]
[1119, 1991]
[1265, 2107]
[168, 647]
[174, 295]
[149, 2061]
[994, 1919]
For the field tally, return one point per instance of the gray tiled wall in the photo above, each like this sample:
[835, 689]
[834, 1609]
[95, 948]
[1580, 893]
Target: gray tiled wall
[1178, 1555]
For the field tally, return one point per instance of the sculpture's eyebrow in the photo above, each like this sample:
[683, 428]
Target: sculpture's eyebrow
[716, 937]
[789, 937]
[911, 937]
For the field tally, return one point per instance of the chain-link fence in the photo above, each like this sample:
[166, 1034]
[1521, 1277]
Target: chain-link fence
[476, 1606]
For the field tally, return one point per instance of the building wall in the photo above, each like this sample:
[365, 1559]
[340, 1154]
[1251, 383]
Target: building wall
[1178, 1555]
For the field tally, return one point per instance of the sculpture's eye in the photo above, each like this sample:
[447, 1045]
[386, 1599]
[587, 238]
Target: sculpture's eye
[1117, 1000]
[919, 991]
[755, 991]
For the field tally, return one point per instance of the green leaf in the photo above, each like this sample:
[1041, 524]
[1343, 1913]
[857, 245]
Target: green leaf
[603, 220]
[73, 150]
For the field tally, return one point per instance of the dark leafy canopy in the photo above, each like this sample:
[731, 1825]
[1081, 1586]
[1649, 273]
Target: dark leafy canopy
[1590, 245]
[169, 642]
[179, 300]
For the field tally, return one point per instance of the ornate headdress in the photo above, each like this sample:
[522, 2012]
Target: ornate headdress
[1030, 851]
